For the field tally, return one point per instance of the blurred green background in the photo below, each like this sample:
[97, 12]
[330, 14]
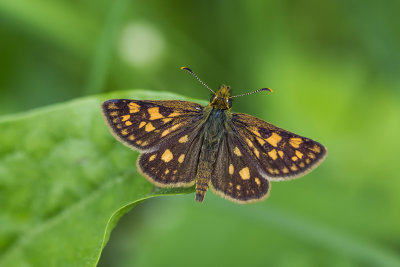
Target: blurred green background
[334, 67]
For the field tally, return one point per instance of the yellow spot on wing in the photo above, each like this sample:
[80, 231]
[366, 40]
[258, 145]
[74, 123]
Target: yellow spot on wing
[154, 113]
[245, 173]
[238, 187]
[125, 117]
[167, 120]
[124, 132]
[257, 180]
[256, 153]
[231, 169]
[311, 155]
[299, 154]
[167, 156]
[273, 154]
[285, 170]
[183, 139]
[274, 139]
[112, 106]
[113, 113]
[301, 164]
[149, 127]
[173, 128]
[316, 149]
[174, 114]
[280, 154]
[294, 158]
[181, 158]
[293, 167]
[131, 137]
[295, 142]
[261, 141]
[133, 107]
[145, 143]
[152, 157]
[237, 151]
[143, 123]
[128, 123]
[249, 143]
[255, 131]
[166, 171]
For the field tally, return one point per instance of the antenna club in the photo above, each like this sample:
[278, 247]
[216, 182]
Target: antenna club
[268, 89]
[185, 68]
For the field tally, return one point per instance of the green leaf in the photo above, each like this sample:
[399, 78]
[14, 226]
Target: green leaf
[65, 182]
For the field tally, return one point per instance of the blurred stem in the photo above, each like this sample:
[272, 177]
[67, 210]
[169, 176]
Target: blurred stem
[331, 239]
[104, 49]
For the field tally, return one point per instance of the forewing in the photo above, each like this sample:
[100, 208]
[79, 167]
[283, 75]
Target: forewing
[175, 163]
[235, 175]
[144, 125]
[280, 154]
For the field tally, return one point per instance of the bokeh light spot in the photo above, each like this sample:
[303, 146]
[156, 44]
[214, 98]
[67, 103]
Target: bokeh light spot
[141, 44]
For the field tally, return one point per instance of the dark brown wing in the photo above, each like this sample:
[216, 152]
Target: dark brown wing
[144, 125]
[235, 175]
[174, 163]
[280, 155]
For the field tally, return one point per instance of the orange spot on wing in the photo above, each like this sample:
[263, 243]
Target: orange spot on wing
[274, 139]
[245, 173]
[154, 113]
[273, 154]
[133, 107]
[316, 149]
[295, 142]
[125, 117]
[143, 123]
[299, 154]
[112, 106]
[149, 127]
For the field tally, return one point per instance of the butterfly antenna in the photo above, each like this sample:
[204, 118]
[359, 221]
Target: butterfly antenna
[256, 91]
[191, 72]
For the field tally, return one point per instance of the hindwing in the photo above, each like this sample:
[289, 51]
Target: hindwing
[174, 163]
[235, 175]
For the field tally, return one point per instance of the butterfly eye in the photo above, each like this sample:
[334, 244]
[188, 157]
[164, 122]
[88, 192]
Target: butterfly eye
[229, 103]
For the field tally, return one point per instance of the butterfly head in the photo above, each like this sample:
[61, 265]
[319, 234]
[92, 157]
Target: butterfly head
[221, 99]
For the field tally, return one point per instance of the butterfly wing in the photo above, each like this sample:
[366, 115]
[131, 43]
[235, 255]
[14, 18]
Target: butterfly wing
[279, 154]
[175, 163]
[144, 125]
[166, 132]
[235, 175]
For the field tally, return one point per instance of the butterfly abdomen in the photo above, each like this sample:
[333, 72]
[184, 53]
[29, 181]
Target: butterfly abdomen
[203, 177]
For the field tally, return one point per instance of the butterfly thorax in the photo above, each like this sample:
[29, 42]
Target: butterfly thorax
[221, 99]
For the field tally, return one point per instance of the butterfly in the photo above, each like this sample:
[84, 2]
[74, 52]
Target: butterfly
[184, 144]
